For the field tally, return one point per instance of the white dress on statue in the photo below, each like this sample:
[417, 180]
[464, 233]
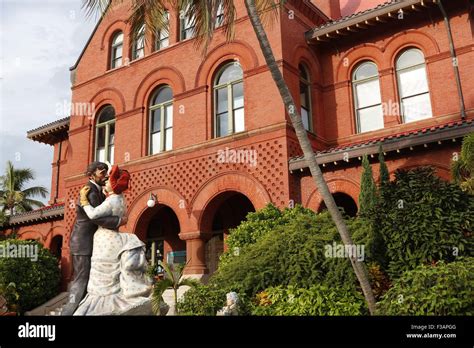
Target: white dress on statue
[117, 283]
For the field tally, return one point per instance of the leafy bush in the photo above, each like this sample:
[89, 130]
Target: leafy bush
[292, 253]
[316, 300]
[441, 289]
[202, 300]
[422, 219]
[36, 281]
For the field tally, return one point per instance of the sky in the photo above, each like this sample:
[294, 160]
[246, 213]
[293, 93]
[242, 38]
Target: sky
[39, 41]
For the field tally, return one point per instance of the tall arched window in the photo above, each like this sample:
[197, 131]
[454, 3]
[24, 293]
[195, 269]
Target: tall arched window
[305, 97]
[138, 46]
[161, 120]
[367, 99]
[413, 86]
[116, 50]
[162, 37]
[105, 135]
[229, 100]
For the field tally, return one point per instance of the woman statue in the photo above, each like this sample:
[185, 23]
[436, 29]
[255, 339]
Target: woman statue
[117, 284]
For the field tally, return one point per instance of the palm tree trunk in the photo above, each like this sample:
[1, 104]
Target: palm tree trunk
[359, 267]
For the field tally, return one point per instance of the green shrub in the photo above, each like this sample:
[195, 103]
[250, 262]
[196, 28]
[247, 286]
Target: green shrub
[422, 219]
[36, 281]
[202, 300]
[317, 300]
[292, 253]
[441, 289]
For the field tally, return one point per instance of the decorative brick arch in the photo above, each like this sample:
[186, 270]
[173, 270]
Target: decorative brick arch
[231, 181]
[235, 50]
[356, 55]
[302, 54]
[138, 208]
[410, 38]
[54, 232]
[339, 184]
[118, 25]
[104, 97]
[32, 234]
[164, 75]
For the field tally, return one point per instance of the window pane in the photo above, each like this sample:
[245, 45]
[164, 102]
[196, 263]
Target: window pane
[118, 38]
[111, 154]
[305, 118]
[169, 116]
[413, 82]
[106, 114]
[101, 154]
[303, 73]
[371, 118]
[304, 97]
[111, 133]
[231, 72]
[164, 94]
[118, 52]
[156, 120]
[365, 70]
[222, 105]
[238, 91]
[417, 108]
[155, 142]
[222, 124]
[409, 58]
[169, 139]
[368, 93]
[239, 120]
[101, 137]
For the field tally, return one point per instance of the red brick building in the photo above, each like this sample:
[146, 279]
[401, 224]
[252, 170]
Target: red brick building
[210, 138]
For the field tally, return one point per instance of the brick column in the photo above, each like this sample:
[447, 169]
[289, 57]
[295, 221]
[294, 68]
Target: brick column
[196, 251]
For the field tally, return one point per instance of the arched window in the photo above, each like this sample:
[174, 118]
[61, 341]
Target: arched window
[162, 37]
[413, 86]
[161, 120]
[105, 135]
[229, 100]
[187, 24]
[305, 97]
[138, 46]
[219, 14]
[116, 50]
[367, 99]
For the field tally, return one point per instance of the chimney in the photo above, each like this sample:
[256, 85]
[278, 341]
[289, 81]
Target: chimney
[331, 8]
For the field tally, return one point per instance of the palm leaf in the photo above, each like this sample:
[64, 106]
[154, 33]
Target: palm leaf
[157, 296]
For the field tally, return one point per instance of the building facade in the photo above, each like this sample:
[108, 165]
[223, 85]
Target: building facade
[208, 134]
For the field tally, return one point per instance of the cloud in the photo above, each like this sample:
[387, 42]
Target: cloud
[39, 41]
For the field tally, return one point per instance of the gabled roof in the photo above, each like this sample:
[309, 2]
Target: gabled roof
[395, 142]
[50, 133]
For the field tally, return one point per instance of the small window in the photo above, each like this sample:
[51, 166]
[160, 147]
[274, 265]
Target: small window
[162, 37]
[367, 99]
[161, 120]
[116, 50]
[105, 135]
[413, 86]
[138, 46]
[305, 98]
[219, 14]
[187, 25]
[229, 101]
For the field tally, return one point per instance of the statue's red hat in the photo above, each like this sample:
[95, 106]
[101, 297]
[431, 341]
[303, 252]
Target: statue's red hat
[119, 179]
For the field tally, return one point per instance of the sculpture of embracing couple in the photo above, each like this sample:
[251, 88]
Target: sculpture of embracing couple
[109, 266]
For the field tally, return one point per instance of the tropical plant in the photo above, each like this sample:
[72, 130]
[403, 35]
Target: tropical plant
[173, 278]
[437, 289]
[202, 300]
[462, 168]
[14, 197]
[383, 170]
[204, 14]
[11, 296]
[423, 219]
[368, 189]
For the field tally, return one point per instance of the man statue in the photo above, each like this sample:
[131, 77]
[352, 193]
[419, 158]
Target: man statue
[82, 235]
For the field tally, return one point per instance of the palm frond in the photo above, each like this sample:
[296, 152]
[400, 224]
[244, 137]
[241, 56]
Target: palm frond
[35, 191]
[189, 282]
[97, 8]
[33, 203]
[158, 289]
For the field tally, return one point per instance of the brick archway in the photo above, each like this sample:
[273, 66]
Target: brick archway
[336, 185]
